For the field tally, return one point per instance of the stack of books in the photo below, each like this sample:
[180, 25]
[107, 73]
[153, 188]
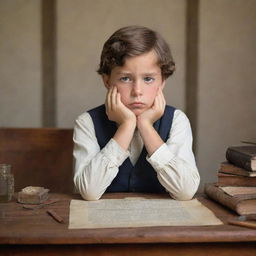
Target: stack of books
[236, 185]
[240, 170]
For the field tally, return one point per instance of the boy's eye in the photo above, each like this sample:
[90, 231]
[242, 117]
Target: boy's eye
[149, 79]
[125, 79]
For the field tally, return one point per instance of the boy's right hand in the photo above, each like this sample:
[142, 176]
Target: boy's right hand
[116, 110]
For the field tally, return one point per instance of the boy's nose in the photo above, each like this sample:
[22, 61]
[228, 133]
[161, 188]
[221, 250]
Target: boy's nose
[137, 88]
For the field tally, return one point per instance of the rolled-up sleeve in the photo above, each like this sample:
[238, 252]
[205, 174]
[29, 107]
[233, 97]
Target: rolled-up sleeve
[94, 168]
[174, 160]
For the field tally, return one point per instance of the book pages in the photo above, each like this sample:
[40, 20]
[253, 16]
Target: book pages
[139, 212]
[235, 191]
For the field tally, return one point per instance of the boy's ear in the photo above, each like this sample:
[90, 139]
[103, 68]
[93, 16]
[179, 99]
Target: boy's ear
[105, 79]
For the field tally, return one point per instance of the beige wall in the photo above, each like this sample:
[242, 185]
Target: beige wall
[20, 63]
[227, 64]
[227, 80]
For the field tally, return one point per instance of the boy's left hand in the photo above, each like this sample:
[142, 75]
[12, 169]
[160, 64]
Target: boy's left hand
[155, 112]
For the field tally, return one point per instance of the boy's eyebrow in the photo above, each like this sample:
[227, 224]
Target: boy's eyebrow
[123, 73]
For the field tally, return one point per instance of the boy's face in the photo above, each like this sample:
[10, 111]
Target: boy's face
[137, 81]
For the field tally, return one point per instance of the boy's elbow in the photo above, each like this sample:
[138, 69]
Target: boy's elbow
[184, 194]
[87, 192]
[90, 194]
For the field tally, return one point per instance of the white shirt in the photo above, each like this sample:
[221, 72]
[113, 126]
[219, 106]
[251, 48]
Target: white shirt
[173, 161]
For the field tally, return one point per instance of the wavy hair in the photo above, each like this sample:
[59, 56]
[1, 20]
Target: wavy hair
[133, 41]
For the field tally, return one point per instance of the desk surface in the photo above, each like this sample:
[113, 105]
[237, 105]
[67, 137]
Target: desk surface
[21, 226]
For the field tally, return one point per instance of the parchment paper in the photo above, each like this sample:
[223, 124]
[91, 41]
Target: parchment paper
[139, 212]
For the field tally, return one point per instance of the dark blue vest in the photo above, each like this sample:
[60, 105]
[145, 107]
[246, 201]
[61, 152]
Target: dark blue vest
[141, 177]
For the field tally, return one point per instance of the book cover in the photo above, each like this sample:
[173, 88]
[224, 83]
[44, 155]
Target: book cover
[235, 180]
[229, 168]
[249, 141]
[242, 156]
[241, 204]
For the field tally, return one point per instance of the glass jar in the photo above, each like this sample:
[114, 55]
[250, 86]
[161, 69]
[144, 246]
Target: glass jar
[6, 183]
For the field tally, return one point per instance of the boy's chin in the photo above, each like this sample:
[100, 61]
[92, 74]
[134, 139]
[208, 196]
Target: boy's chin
[138, 112]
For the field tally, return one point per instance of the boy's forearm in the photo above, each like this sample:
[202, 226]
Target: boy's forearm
[150, 137]
[124, 134]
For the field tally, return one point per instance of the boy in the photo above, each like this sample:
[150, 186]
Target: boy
[134, 142]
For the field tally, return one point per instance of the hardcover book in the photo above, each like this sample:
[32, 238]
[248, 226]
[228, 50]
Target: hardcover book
[229, 168]
[242, 204]
[242, 156]
[235, 180]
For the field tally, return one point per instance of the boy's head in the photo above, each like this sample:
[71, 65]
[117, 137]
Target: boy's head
[133, 41]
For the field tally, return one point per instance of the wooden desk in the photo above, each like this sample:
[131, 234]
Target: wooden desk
[34, 232]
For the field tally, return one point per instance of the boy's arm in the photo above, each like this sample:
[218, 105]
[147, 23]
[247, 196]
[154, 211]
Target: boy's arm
[174, 160]
[95, 168]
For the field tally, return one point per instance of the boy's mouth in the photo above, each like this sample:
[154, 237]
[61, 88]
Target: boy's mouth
[137, 105]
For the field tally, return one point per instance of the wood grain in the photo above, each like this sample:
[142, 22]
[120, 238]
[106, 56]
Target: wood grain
[34, 232]
[43, 229]
[39, 157]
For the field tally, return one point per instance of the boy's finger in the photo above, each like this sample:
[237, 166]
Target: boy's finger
[113, 97]
[109, 105]
[156, 102]
[106, 101]
[160, 102]
[118, 98]
[161, 95]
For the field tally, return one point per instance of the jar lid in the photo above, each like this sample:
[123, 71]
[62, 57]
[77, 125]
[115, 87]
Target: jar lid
[5, 168]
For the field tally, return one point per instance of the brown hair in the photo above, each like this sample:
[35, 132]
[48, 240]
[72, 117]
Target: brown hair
[133, 41]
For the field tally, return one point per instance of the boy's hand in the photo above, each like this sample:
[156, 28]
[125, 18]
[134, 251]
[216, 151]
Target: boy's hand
[116, 110]
[155, 112]
[150, 137]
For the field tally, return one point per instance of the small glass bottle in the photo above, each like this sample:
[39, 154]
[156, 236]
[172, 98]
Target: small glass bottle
[6, 183]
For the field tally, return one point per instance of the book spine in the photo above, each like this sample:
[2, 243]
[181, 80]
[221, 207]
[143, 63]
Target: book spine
[232, 169]
[236, 180]
[221, 197]
[239, 159]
